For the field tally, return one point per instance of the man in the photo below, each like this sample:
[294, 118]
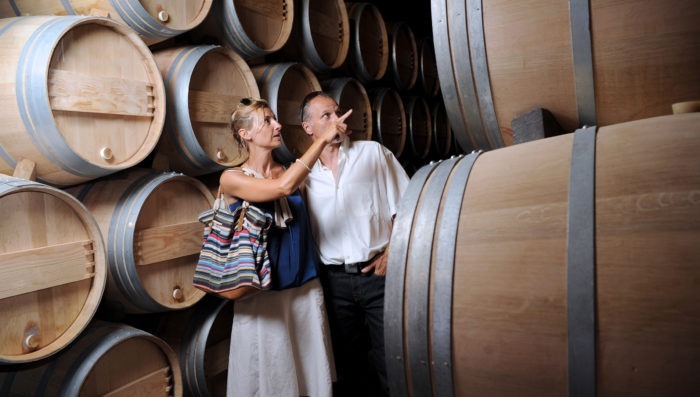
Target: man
[352, 194]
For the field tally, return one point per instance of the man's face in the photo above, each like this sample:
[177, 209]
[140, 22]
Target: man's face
[322, 116]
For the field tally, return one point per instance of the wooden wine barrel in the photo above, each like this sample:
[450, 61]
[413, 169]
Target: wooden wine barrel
[82, 97]
[108, 359]
[442, 131]
[503, 262]
[403, 58]
[368, 56]
[149, 222]
[53, 269]
[251, 28]
[201, 335]
[428, 79]
[154, 21]
[349, 93]
[589, 63]
[320, 37]
[284, 85]
[389, 119]
[419, 131]
[203, 84]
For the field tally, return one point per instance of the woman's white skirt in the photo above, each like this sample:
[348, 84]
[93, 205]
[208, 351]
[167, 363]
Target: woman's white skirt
[280, 345]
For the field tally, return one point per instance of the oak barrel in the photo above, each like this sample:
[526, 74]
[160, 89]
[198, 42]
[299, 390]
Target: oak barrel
[428, 80]
[203, 85]
[154, 21]
[403, 56]
[487, 254]
[419, 131]
[53, 269]
[201, 337]
[251, 28]
[321, 35]
[349, 93]
[368, 56]
[284, 85]
[389, 119]
[588, 62]
[108, 359]
[153, 238]
[82, 97]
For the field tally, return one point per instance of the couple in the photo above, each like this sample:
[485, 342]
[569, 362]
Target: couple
[280, 339]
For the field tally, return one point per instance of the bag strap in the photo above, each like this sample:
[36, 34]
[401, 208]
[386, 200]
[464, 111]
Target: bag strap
[282, 214]
[244, 203]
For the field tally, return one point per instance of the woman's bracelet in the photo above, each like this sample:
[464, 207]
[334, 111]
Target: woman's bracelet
[303, 163]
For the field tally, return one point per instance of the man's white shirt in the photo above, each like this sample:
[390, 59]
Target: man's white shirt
[351, 216]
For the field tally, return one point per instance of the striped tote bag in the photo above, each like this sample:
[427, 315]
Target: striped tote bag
[233, 262]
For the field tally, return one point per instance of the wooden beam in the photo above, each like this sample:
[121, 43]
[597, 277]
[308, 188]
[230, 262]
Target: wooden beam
[536, 124]
[25, 169]
[42, 268]
[167, 242]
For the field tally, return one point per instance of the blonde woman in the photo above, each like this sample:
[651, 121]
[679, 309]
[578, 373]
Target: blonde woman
[280, 343]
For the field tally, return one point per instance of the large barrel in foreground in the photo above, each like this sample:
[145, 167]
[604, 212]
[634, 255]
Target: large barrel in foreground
[588, 62]
[53, 269]
[566, 262]
[81, 97]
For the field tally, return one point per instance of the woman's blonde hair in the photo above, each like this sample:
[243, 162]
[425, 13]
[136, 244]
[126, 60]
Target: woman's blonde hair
[244, 116]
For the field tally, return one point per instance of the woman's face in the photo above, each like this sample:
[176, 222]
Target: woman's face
[267, 131]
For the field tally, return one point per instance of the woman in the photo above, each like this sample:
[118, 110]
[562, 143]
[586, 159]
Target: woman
[280, 345]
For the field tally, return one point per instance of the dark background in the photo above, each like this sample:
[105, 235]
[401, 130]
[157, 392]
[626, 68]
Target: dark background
[415, 12]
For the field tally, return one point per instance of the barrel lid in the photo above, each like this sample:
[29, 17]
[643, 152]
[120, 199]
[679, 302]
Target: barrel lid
[167, 238]
[246, 17]
[389, 119]
[105, 94]
[220, 79]
[52, 269]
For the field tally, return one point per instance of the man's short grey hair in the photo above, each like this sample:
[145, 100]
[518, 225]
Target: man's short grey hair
[304, 114]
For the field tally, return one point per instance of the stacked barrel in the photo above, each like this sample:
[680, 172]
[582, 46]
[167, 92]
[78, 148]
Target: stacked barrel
[115, 124]
[114, 127]
[588, 63]
[90, 233]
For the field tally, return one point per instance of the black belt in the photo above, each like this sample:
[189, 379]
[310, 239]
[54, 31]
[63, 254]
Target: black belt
[350, 268]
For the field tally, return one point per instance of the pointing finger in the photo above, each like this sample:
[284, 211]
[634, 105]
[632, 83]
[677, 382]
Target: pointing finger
[345, 116]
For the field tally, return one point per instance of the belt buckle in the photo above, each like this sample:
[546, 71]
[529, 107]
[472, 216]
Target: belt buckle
[352, 268]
